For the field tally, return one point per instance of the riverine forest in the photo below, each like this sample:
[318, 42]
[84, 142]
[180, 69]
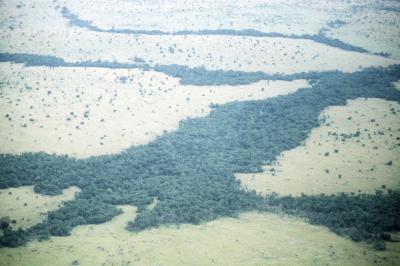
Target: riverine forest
[200, 132]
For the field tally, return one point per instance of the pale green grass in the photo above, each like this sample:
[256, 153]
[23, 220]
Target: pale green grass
[84, 112]
[373, 29]
[330, 164]
[29, 208]
[253, 239]
[270, 55]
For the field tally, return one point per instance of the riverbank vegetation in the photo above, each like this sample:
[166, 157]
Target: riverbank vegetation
[191, 171]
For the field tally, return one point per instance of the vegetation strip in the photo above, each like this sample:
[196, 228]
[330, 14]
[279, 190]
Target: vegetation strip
[198, 76]
[74, 20]
[191, 171]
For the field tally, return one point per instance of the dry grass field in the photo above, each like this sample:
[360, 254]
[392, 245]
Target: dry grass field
[214, 52]
[356, 149]
[28, 208]
[373, 24]
[252, 239]
[90, 111]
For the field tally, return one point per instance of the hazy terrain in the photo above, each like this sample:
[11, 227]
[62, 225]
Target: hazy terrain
[200, 132]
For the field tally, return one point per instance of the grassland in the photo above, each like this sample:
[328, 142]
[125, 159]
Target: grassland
[198, 15]
[376, 30]
[356, 149]
[86, 112]
[92, 111]
[252, 239]
[266, 54]
[28, 208]
[372, 24]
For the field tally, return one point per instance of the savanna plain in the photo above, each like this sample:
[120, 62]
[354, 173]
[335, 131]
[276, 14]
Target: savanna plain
[200, 132]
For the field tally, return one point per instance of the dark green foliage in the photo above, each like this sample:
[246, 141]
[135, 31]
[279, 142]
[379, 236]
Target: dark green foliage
[77, 212]
[12, 238]
[336, 23]
[188, 76]
[191, 171]
[32, 59]
[4, 223]
[361, 217]
[53, 61]
[200, 76]
[379, 245]
[76, 21]
[61, 221]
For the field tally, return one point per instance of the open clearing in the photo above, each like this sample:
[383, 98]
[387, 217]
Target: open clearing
[23, 33]
[199, 15]
[92, 111]
[252, 239]
[376, 30]
[28, 208]
[373, 24]
[357, 148]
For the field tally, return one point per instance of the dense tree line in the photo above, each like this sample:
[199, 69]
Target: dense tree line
[30, 60]
[33, 59]
[198, 76]
[191, 171]
[61, 222]
[362, 217]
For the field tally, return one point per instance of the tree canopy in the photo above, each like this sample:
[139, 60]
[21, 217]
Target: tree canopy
[191, 171]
